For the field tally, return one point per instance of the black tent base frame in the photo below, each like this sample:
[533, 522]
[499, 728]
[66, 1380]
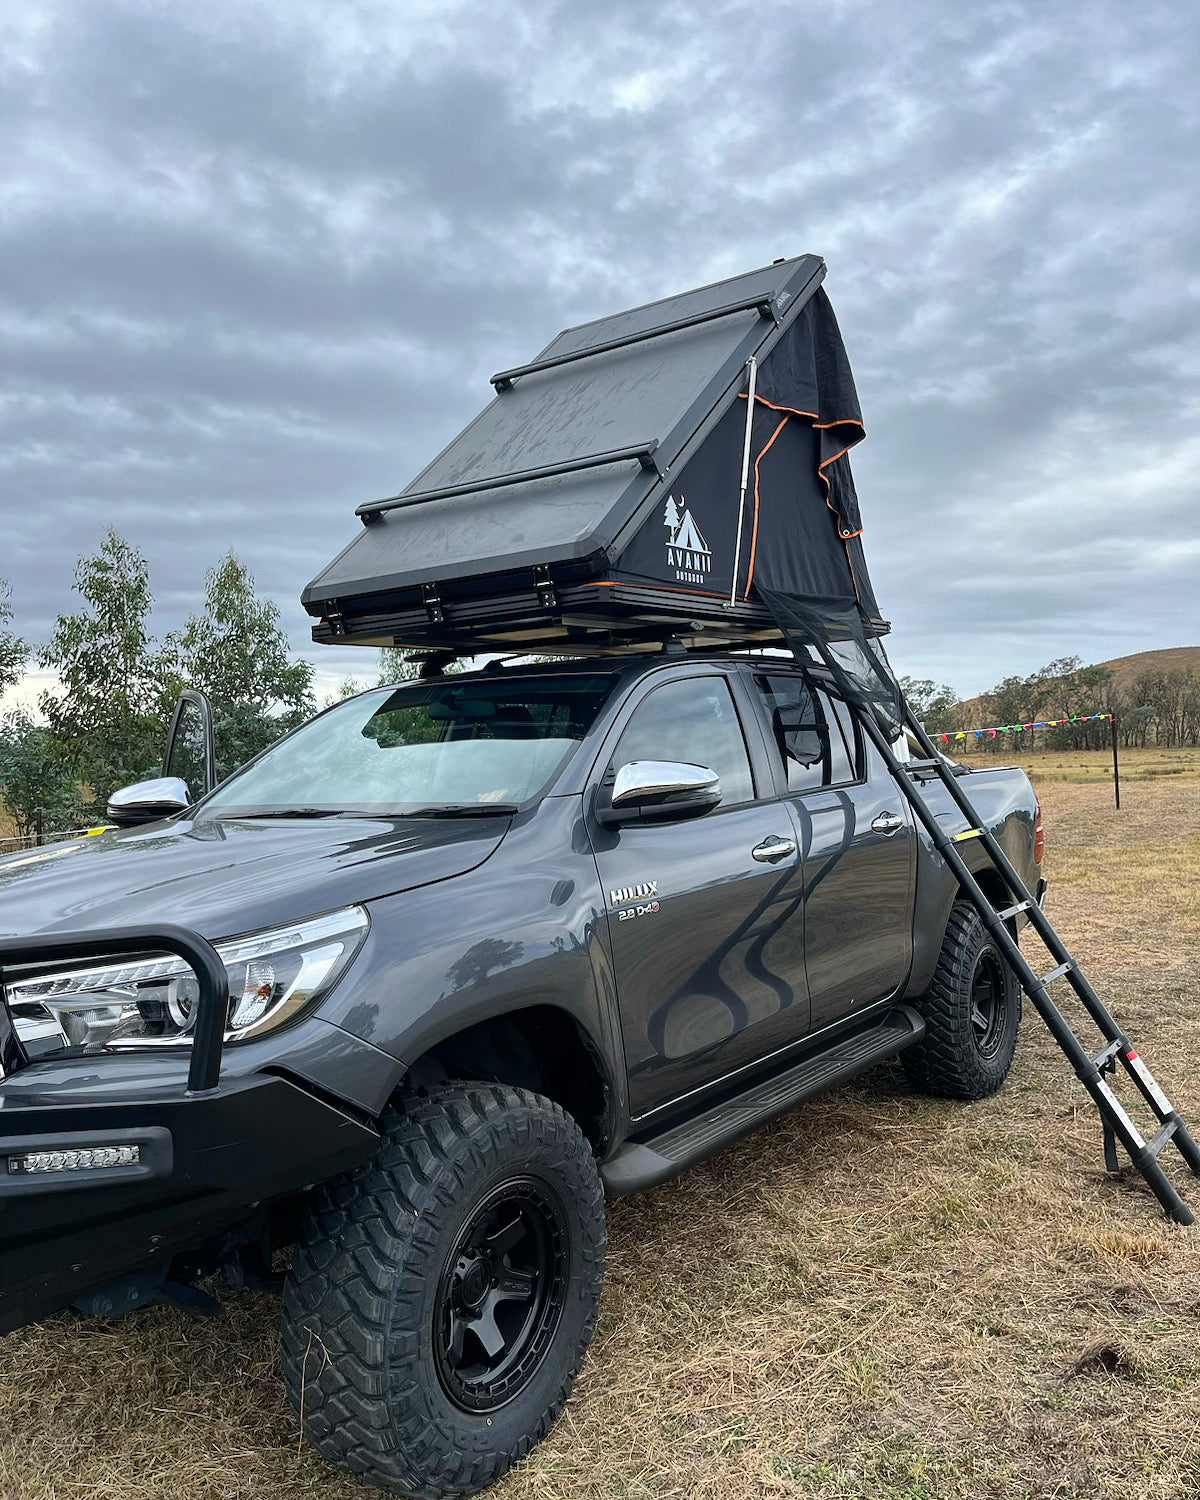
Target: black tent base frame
[1118, 1052]
[542, 614]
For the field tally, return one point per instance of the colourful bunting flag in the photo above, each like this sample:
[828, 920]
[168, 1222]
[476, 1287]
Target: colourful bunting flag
[995, 729]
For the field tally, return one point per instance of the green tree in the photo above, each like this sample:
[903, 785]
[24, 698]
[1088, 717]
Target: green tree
[33, 778]
[1064, 687]
[394, 668]
[1008, 702]
[347, 688]
[237, 653]
[934, 703]
[1171, 703]
[105, 720]
[13, 650]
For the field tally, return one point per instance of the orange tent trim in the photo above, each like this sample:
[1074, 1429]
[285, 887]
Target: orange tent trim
[820, 427]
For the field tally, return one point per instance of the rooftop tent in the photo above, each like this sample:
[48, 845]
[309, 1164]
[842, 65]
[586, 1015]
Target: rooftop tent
[676, 469]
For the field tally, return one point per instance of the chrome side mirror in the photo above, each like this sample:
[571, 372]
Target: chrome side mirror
[657, 791]
[147, 801]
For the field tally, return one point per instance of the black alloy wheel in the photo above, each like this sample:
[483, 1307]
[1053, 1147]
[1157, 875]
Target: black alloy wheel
[989, 1002]
[501, 1296]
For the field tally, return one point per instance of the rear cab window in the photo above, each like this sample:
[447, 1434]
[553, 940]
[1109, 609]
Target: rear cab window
[812, 732]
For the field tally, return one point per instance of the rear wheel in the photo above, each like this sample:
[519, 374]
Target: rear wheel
[972, 1012]
[442, 1297]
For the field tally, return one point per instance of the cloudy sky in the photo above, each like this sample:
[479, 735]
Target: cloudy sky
[261, 258]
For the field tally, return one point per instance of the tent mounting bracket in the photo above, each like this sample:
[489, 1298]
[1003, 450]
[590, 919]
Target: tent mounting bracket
[543, 586]
[433, 604]
[765, 306]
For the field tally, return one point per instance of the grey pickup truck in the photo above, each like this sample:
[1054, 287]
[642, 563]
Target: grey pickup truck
[415, 989]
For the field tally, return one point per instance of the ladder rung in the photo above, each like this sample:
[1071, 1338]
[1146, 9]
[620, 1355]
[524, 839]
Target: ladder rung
[1110, 1051]
[1011, 911]
[1155, 1145]
[968, 833]
[1056, 973]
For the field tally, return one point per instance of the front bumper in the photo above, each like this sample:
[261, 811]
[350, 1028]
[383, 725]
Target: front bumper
[210, 1149]
[206, 1161]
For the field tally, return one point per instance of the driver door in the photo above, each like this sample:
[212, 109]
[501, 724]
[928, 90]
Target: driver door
[705, 916]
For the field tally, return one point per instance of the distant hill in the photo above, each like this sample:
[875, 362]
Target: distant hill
[1125, 669]
[1170, 659]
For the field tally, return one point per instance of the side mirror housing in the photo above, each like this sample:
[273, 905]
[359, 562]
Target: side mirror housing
[147, 801]
[657, 791]
[191, 744]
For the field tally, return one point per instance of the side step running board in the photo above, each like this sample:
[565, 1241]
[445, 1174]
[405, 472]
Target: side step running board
[642, 1164]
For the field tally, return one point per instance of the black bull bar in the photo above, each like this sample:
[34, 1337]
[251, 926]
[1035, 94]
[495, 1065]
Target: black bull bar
[217, 1147]
[212, 1009]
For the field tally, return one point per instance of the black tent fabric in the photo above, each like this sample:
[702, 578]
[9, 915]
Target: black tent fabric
[681, 468]
[801, 525]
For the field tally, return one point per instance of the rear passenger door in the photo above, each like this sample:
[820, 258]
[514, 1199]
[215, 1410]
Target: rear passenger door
[704, 916]
[857, 843]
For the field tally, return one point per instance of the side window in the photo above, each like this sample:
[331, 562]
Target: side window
[691, 720]
[848, 736]
[813, 733]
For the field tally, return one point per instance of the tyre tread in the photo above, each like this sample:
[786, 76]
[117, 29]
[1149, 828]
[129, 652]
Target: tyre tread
[362, 1409]
[945, 1062]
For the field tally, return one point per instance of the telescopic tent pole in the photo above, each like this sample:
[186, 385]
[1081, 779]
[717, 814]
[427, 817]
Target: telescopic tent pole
[752, 364]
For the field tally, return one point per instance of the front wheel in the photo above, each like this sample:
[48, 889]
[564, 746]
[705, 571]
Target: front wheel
[972, 1011]
[442, 1297]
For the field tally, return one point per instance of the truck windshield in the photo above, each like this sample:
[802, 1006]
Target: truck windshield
[458, 747]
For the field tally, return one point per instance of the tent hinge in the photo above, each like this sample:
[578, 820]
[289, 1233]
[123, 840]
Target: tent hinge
[433, 604]
[544, 587]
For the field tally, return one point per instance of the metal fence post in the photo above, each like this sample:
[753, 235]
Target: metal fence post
[1112, 724]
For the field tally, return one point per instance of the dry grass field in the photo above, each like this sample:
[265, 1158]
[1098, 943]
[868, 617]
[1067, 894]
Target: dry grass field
[879, 1296]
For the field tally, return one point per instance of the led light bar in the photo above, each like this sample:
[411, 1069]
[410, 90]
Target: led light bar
[73, 1161]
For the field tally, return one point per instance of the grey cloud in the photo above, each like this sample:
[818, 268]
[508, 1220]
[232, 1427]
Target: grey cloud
[259, 268]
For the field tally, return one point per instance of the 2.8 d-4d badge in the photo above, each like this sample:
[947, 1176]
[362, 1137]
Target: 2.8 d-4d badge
[642, 894]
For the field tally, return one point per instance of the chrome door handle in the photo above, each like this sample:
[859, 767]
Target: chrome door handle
[887, 823]
[773, 849]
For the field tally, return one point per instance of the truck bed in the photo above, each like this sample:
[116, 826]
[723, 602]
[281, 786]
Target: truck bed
[1006, 801]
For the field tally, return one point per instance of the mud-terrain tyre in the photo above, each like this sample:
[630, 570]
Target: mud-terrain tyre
[442, 1296]
[972, 1012]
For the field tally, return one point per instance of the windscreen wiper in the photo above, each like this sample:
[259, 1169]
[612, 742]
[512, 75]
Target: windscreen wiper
[465, 810]
[291, 812]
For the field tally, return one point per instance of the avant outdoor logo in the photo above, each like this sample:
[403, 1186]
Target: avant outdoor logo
[687, 551]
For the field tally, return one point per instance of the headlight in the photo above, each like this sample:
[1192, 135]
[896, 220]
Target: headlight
[152, 1002]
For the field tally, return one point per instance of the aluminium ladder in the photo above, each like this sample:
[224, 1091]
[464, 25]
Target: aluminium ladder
[1092, 1070]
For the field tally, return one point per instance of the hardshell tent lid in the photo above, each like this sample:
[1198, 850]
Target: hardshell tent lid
[624, 487]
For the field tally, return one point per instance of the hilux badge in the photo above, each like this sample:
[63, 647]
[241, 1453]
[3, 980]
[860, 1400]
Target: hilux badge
[633, 892]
